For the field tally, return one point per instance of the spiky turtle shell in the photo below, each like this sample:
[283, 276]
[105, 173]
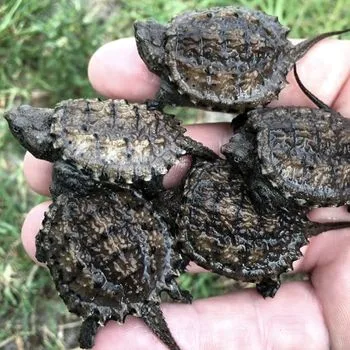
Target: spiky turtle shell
[228, 56]
[222, 58]
[220, 229]
[304, 153]
[110, 255]
[119, 141]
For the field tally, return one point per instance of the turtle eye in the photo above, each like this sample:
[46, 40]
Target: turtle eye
[16, 129]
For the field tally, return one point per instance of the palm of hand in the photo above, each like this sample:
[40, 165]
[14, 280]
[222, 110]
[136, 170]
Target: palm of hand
[315, 312]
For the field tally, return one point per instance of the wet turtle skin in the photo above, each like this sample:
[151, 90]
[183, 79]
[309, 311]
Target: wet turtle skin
[112, 141]
[222, 58]
[221, 230]
[111, 255]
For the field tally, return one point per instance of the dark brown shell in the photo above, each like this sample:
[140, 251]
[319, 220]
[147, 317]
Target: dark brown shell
[228, 55]
[120, 141]
[220, 229]
[304, 153]
[110, 255]
[222, 58]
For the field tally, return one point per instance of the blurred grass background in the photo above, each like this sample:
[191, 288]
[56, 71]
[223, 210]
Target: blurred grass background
[44, 51]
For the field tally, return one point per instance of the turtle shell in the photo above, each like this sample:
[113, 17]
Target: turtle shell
[110, 255]
[302, 152]
[222, 58]
[220, 229]
[117, 141]
[228, 57]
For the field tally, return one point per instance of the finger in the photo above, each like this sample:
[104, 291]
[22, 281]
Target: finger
[331, 214]
[38, 172]
[117, 71]
[242, 320]
[212, 136]
[328, 257]
[341, 102]
[325, 71]
[31, 227]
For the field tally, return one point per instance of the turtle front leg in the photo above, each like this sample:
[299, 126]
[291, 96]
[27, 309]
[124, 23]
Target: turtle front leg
[153, 316]
[177, 294]
[268, 287]
[66, 179]
[88, 332]
[154, 105]
[239, 121]
[264, 197]
[168, 94]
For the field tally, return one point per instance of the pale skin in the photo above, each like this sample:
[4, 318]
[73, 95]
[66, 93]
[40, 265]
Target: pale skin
[309, 315]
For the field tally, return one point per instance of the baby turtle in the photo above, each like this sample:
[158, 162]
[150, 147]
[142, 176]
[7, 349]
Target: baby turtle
[222, 58]
[295, 152]
[220, 229]
[111, 140]
[111, 255]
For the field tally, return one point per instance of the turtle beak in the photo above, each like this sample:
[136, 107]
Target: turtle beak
[16, 118]
[31, 127]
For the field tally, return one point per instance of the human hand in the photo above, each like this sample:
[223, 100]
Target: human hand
[309, 315]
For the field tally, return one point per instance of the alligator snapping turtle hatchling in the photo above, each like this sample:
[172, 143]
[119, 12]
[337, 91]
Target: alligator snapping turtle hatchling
[111, 140]
[297, 152]
[220, 229]
[222, 58]
[111, 255]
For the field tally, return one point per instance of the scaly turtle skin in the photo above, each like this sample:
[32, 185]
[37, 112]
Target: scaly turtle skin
[222, 58]
[295, 152]
[220, 229]
[112, 140]
[66, 179]
[111, 255]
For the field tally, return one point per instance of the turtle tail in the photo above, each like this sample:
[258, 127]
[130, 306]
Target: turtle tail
[317, 228]
[309, 94]
[300, 49]
[153, 316]
[88, 332]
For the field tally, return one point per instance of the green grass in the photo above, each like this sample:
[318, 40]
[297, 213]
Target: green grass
[44, 50]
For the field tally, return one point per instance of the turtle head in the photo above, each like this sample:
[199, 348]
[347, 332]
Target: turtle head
[240, 150]
[150, 41]
[31, 126]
